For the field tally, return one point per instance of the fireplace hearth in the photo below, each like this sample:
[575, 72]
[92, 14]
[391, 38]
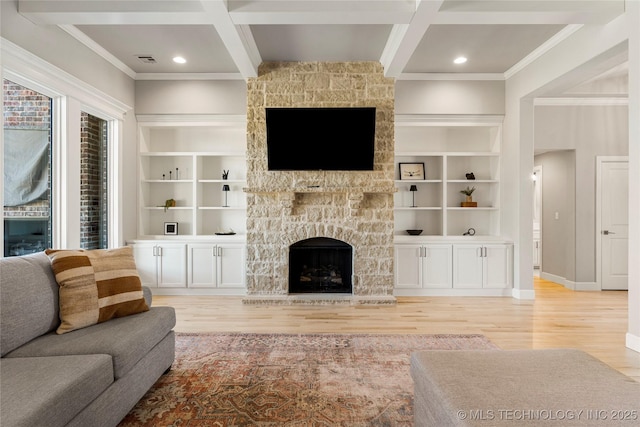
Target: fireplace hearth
[320, 265]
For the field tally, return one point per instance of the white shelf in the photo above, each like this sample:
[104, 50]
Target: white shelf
[167, 181]
[242, 208]
[173, 208]
[223, 181]
[419, 208]
[202, 149]
[449, 147]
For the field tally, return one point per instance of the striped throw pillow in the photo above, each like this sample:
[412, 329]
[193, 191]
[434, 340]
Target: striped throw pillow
[95, 286]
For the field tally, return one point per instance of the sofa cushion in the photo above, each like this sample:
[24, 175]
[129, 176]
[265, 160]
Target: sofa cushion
[96, 286]
[127, 339]
[28, 300]
[50, 391]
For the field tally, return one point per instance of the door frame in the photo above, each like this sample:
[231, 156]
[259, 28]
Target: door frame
[600, 160]
[537, 171]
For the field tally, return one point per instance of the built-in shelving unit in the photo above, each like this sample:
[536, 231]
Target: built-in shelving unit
[449, 147]
[184, 158]
[443, 260]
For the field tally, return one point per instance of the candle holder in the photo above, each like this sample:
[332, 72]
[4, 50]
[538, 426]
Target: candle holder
[225, 189]
[413, 190]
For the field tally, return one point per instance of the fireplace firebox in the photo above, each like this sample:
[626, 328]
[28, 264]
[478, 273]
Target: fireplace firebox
[320, 265]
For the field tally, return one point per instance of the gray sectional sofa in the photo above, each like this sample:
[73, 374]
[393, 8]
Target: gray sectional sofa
[88, 377]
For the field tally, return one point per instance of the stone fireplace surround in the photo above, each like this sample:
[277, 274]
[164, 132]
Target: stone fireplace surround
[284, 207]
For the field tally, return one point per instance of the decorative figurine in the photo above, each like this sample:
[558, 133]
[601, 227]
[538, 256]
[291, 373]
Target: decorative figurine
[225, 174]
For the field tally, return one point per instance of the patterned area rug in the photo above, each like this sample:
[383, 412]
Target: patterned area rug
[230, 379]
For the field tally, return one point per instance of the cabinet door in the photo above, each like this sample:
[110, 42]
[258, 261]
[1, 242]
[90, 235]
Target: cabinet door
[408, 266]
[230, 264]
[467, 266]
[172, 265]
[146, 263]
[437, 266]
[497, 268]
[536, 252]
[202, 265]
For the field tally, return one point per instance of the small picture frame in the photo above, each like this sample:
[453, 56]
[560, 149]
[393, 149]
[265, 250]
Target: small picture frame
[411, 171]
[171, 228]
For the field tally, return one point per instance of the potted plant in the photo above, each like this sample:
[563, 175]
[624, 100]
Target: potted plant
[468, 199]
[169, 203]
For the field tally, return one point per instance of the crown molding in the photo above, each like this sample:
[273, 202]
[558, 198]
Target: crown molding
[189, 76]
[33, 71]
[581, 102]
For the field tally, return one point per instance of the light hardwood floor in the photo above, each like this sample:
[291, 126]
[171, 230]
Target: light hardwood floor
[595, 322]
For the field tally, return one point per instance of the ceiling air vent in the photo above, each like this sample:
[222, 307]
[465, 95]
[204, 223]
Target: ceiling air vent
[146, 59]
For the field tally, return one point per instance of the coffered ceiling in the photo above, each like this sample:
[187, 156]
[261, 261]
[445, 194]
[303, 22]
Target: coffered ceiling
[229, 39]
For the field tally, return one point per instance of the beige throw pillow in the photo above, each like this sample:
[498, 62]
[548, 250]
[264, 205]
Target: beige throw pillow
[96, 285]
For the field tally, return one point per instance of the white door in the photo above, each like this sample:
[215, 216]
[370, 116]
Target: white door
[172, 265]
[497, 271]
[468, 261]
[230, 263]
[437, 269]
[614, 224]
[202, 265]
[537, 217]
[146, 263]
[408, 266]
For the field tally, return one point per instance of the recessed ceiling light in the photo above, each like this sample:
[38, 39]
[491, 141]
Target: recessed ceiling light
[179, 60]
[460, 60]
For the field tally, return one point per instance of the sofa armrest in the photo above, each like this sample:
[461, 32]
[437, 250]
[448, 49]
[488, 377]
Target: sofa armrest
[148, 296]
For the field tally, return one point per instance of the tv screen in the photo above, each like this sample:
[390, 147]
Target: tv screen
[331, 139]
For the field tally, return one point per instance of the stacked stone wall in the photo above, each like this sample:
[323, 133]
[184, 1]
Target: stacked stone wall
[288, 206]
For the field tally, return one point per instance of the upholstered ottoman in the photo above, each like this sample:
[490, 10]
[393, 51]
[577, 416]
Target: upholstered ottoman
[556, 387]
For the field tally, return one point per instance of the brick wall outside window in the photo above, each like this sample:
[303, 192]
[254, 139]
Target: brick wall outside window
[93, 190]
[26, 109]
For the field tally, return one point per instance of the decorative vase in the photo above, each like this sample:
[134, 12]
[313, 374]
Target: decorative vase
[469, 199]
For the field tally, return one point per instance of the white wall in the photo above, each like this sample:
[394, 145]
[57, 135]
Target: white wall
[633, 334]
[449, 97]
[191, 97]
[596, 130]
[587, 53]
[558, 196]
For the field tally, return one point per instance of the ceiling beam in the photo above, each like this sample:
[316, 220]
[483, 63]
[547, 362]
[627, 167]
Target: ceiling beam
[125, 12]
[404, 38]
[521, 18]
[310, 12]
[238, 39]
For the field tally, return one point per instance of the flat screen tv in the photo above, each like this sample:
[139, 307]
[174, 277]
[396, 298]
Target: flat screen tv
[331, 139]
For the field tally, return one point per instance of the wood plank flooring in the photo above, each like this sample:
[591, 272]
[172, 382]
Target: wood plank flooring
[595, 322]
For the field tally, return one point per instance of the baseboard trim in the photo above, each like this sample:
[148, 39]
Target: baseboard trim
[569, 284]
[523, 294]
[633, 342]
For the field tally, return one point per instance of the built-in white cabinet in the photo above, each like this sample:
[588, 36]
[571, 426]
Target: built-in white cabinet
[450, 148]
[200, 163]
[195, 244]
[426, 266]
[216, 265]
[482, 266]
[161, 264]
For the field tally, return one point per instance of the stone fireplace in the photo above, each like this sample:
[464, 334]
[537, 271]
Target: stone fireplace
[320, 265]
[286, 208]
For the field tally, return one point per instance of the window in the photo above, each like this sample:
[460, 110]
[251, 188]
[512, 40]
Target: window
[27, 169]
[93, 183]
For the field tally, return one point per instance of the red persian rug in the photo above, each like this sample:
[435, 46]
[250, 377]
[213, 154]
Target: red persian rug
[237, 379]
